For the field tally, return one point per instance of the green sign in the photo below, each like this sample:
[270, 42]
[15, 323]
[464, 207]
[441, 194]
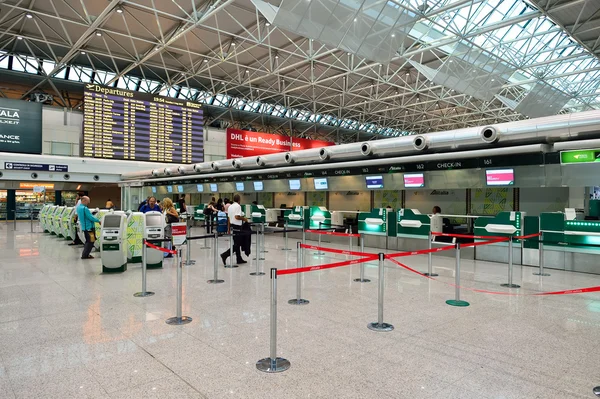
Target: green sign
[579, 156]
[20, 126]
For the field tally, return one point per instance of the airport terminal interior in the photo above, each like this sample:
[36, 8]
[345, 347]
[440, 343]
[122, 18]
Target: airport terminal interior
[300, 199]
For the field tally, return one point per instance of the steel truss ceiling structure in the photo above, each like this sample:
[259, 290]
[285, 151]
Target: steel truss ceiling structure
[229, 54]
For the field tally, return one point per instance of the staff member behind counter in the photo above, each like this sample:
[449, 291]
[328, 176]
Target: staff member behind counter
[88, 225]
[446, 225]
[235, 222]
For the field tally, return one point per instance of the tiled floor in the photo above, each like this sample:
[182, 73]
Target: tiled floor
[67, 331]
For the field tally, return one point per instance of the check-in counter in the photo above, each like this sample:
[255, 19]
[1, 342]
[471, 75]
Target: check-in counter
[504, 224]
[377, 227]
[569, 244]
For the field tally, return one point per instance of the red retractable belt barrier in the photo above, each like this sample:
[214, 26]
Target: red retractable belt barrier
[161, 249]
[420, 252]
[328, 266]
[332, 233]
[335, 251]
[562, 292]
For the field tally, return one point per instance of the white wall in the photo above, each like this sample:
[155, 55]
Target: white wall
[215, 144]
[543, 199]
[62, 127]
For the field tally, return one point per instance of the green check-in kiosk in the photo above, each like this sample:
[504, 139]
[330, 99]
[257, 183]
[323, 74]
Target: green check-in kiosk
[377, 226]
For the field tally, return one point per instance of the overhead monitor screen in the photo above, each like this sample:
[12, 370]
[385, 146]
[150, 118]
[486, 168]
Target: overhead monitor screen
[214, 188]
[154, 220]
[239, 186]
[123, 124]
[200, 188]
[374, 182]
[500, 177]
[180, 189]
[321, 184]
[295, 185]
[170, 189]
[153, 190]
[112, 222]
[258, 186]
[414, 180]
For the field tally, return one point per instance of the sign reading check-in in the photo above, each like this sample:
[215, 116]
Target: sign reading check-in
[20, 126]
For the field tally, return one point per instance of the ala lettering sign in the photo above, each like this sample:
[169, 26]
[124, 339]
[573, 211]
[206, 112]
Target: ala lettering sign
[20, 126]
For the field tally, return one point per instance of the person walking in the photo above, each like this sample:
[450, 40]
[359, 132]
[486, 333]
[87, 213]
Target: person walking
[88, 226]
[235, 226]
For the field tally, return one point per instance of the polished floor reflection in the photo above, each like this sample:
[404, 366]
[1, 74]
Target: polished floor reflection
[68, 331]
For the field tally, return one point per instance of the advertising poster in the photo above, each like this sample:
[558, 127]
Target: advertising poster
[243, 143]
[20, 126]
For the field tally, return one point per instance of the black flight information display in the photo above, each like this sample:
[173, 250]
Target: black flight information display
[123, 124]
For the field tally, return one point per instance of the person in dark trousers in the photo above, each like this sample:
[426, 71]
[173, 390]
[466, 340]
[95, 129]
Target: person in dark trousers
[88, 226]
[181, 202]
[77, 240]
[235, 226]
[150, 206]
[209, 212]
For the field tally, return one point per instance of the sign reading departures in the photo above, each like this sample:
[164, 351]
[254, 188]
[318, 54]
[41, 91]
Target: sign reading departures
[122, 124]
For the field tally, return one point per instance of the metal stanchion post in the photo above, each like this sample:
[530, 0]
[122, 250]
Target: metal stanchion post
[379, 325]
[362, 278]
[262, 241]
[257, 272]
[285, 234]
[319, 252]
[510, 266]
[273, 364]
[31, 216]
[430, 272]
[215, 279]
[299, 263]
[144, 292]
[541, 257]
[179, 319]
[457, 301]
[350, 240]
[263, 244]
[303, 233]
[231, 265]
[204, 246]
[188, 256]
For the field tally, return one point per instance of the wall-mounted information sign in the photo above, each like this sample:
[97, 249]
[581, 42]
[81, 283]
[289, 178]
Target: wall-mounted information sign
[579, 156]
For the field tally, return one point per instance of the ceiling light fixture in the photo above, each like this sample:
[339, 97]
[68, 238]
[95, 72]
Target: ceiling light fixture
[98, 34]
[119, 10]
[29, 16]
[20, 37]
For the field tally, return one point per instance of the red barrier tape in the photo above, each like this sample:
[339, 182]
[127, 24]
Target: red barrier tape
[161, 249]
[328, 266]
[563, 292]
[421, 252]
[332, 233]
[336, 251]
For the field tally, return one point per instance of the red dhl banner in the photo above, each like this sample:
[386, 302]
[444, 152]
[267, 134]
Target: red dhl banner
[243, 143]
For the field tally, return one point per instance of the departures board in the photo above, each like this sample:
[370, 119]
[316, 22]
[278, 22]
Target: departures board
[123, 124]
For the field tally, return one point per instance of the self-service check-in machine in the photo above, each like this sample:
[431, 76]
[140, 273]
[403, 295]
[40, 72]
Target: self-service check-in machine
[113, 248]
[154, 229]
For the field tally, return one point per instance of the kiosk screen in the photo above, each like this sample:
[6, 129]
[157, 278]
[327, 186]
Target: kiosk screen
[112, 222]
[154, 220]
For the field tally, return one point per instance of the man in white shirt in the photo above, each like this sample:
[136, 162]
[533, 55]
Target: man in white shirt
[234, 213]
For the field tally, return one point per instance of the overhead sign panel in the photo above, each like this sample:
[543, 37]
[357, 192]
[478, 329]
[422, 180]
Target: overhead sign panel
[123, 124]
[20, 126]
[243, 143]
[579, 156]
[42, 167]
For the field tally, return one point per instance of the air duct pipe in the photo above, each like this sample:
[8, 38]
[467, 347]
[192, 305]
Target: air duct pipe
[340, 152]
[203, 167]
[222, 166]
[271, 160]
[302, 156]
[185, 169]
[244, 163]
[387, 147]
